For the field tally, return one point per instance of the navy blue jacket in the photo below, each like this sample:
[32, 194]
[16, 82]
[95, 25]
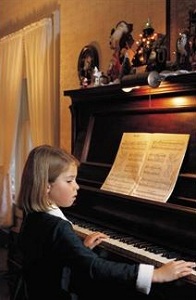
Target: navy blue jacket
[50, 246]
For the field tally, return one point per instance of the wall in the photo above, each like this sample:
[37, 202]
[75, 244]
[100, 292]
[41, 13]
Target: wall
[81, 22]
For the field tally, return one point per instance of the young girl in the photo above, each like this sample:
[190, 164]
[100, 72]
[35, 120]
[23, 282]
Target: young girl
[50, 246]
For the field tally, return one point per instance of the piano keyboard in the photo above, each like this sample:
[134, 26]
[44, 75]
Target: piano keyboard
[132, 248]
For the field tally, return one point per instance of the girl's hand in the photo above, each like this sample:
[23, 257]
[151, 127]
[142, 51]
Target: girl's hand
[94, 239]
[173, 270]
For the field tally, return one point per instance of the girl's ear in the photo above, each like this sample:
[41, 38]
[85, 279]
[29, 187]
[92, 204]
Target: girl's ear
[48, 188]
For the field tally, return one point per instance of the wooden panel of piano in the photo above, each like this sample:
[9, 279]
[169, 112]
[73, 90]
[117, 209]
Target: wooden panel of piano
[140, 230]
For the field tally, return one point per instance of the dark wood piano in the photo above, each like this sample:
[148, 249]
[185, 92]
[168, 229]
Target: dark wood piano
[140, 230]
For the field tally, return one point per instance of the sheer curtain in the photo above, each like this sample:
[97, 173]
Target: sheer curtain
[11, 61]
[39, 70]
[29, 108]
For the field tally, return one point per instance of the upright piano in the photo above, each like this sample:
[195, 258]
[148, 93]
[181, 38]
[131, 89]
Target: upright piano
[139, 230]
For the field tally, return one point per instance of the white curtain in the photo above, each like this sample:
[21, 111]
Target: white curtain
[29, 108]
[39, 70]
[11, 58]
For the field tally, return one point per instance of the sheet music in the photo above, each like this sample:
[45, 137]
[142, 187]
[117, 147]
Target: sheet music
[147, 165]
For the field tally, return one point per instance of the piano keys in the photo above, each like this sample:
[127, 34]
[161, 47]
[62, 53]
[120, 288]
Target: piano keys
[133, 248]
[100, 115]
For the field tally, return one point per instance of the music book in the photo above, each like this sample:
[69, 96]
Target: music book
[147, 165]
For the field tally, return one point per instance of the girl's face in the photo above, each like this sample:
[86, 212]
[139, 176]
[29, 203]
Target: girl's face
[63, 191]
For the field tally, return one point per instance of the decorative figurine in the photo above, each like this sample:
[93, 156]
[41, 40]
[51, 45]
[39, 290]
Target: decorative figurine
[149, 52]
[183, 51]
[121, 42]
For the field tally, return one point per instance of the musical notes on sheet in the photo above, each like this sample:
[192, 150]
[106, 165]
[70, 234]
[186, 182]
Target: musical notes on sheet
[147, 165]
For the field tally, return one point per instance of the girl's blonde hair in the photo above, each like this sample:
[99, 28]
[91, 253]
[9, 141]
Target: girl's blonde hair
[44, 164]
